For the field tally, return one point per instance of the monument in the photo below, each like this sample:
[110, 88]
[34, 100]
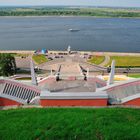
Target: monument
[33, 75]
[112, 73]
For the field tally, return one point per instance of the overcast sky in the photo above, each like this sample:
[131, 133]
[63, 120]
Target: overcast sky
[123, 3]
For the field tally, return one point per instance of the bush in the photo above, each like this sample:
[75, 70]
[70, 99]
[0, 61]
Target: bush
[7, 65]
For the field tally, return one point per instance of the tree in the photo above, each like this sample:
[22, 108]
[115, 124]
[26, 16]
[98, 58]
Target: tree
[7, 65]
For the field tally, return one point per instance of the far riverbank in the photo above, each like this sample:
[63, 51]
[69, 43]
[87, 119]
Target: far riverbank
[70, 11]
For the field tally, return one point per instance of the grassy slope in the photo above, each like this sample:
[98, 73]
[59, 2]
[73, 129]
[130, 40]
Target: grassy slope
[39, 59]
[96, 60]
[126, 61]
[72, 123]
[134, 75]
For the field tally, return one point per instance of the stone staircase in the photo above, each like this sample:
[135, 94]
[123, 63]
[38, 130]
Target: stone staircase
[17, 91]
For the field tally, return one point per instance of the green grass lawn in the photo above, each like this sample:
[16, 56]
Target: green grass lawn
[24, 78]
[134, 75]
[21, 55]
[39, 59]
[96, 60]
[70, 124]
[125, 61]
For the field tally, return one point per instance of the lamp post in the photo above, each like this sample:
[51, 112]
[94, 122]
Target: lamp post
[127, 70]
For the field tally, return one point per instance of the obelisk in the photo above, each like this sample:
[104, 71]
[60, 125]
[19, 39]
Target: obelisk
[112, 74]
[33, 75]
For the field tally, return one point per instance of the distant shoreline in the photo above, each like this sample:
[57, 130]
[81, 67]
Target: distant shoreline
[70, 12]
[69, 17]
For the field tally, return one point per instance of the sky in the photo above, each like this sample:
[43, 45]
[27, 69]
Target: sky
[116, 3]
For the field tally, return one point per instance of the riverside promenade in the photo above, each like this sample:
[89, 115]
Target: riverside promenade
[82, 52]
[24, 63]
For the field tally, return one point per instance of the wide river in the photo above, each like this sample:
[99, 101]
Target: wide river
[93, 34]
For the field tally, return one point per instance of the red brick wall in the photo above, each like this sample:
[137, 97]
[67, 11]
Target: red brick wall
[72, 78]
[135, 102]
[72, 102]
[8, 102]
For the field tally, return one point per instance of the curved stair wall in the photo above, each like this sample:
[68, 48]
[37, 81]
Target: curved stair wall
[16, 92]
[47, 80]
[99, 82]
[118, 92]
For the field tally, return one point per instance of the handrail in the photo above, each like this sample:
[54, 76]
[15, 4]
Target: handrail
[130, 98]
[120, 84]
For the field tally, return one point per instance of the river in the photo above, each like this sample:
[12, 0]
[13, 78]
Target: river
[52, 33]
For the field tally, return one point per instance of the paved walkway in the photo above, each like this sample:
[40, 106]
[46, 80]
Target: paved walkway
[72, 86]
[23, 62]
[70, 69]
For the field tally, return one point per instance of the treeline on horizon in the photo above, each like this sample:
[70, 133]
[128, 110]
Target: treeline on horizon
[52, 11]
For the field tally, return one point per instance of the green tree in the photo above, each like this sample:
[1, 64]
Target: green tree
[7, 65]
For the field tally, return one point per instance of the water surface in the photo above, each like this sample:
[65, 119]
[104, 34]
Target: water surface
[96, 34]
